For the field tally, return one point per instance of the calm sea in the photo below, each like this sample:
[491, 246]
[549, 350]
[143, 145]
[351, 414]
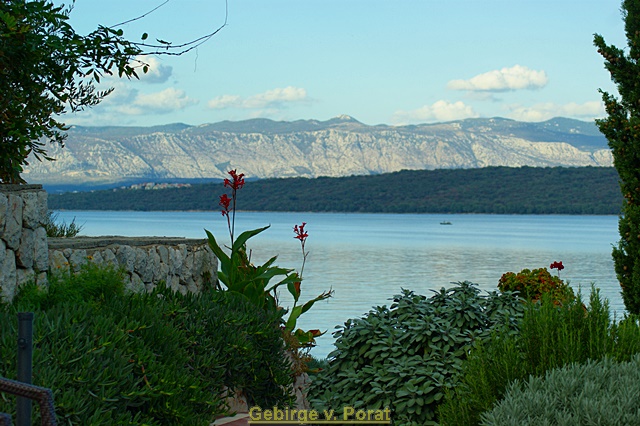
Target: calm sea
[368, 258]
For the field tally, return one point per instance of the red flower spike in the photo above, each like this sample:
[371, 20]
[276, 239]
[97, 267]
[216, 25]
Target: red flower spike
[557, 265]
[225, 201]
[238, 180]
[300, 232]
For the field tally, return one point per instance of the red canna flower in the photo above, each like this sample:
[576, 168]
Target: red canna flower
[557, 265]
[301, 235]
[238, 180]
[300, 232]
[225, 202]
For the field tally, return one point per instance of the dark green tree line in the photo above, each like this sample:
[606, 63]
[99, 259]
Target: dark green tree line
[498, 190]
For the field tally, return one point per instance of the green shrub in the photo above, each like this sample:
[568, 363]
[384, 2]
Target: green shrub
[95, 284]
[56, 229]
[532, 284]
[159, 359]
[550, 336]
[405, 356]
[595, 393]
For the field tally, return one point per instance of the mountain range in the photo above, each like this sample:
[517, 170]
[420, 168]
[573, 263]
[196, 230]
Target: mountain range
[342, 146]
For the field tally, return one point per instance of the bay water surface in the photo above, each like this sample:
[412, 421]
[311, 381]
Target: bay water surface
[368, 258]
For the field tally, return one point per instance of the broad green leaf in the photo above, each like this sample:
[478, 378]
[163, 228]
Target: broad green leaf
[296, 311]
[213, 244]
[242, 238]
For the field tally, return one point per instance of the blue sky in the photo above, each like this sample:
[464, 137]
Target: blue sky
[393, 62]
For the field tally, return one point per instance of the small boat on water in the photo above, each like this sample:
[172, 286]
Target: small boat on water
[446, 222]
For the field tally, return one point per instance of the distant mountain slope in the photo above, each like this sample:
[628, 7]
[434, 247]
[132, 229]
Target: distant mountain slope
[342, 146]
[504, 190]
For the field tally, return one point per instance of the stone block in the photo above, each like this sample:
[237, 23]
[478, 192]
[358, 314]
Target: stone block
[58, 262]
[13, 222]
[204, 261]
[31, 210]
[23, 276]
[176, 261]
[41, 250]
[164, 254]
[42, 206]
[173, 282]
[41, 279]
[8, 275]
[109, 257]
[144, 265]
[3, 213]
[182, 248]
[96, 257]
[126, 256]
[78, 259]
[154, 263]
[191, 285]
[24, 255]
[188, 265]
[162, 274]
[135, 284]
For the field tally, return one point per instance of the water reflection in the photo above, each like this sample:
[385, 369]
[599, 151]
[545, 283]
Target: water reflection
[364, 276]
[368, 258]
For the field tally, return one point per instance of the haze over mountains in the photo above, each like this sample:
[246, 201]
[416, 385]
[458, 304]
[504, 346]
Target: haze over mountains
[342, 146]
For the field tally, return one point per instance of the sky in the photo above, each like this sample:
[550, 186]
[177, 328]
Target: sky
[389, 62]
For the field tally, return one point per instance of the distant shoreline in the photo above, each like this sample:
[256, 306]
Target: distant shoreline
[491, 190]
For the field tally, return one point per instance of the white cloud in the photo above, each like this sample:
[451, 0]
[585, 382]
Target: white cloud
[439, 111]
[545, 111]
[226, 101]
[169, 98]
[514, 78]
[163, 102]
[157, 73]
[279, 97]
[125, 100]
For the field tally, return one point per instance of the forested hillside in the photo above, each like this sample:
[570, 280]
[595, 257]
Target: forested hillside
[502, 190]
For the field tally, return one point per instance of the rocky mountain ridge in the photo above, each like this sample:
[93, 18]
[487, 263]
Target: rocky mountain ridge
[342, 146]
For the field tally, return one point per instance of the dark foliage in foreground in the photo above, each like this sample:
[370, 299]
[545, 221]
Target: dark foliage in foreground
[158, 358]
[406, 356]
[550, 336]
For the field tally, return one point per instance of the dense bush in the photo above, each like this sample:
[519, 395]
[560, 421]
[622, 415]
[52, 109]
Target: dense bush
[159, 359]
[596, 393]
[532, 284]
[406, 356]
[550, 336]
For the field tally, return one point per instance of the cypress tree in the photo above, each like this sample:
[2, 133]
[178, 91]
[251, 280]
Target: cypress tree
[621, 127]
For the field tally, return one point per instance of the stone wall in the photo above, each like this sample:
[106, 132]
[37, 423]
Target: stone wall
[27, 255]
[184, 264]
[23, 239]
